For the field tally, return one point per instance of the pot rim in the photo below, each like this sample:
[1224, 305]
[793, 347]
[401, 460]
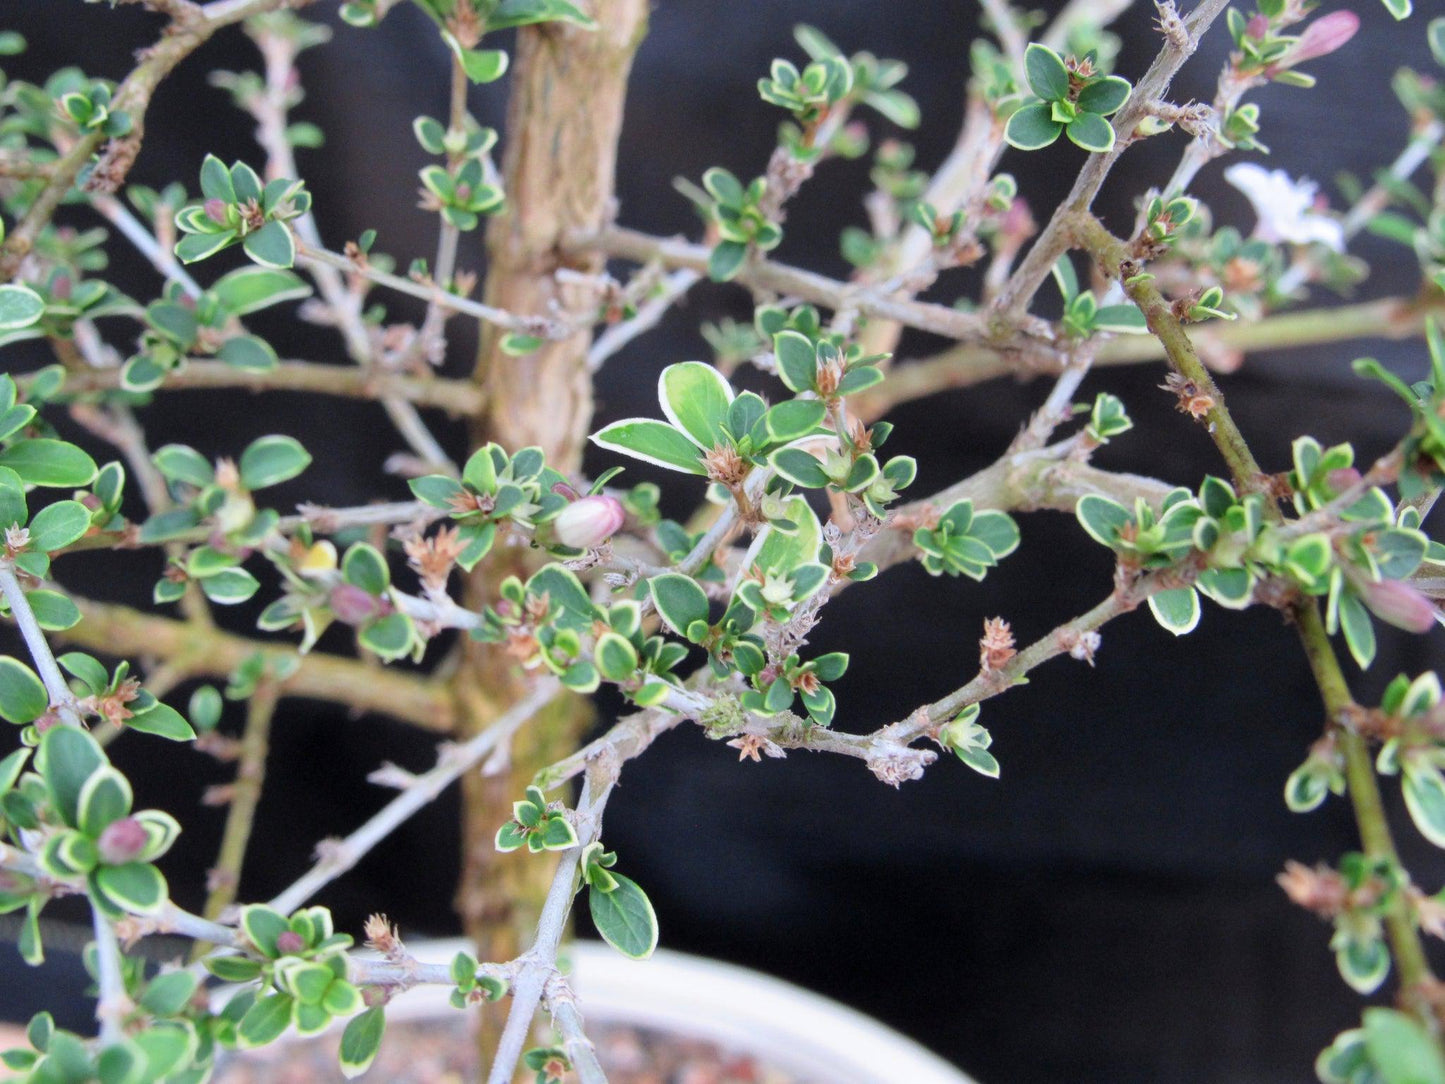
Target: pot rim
[789, 1026]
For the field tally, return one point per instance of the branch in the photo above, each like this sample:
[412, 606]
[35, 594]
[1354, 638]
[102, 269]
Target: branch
[561, 1002]
[338, 857]
[1013, 300]
[457, 398]
[820, 290]
[121, 631]
[56, 687]
[1113, 257]
[111, 1008]
[545, 326]
[619, 335]
[182, 37]
[225, 876]
[966, 365]
[540, 961]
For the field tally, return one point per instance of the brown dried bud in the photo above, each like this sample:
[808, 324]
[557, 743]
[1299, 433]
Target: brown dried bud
[997, 645]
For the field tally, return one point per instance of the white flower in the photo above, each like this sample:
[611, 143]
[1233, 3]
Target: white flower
[1285, 208]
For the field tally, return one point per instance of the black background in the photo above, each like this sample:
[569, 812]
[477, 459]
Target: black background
[1106, 911]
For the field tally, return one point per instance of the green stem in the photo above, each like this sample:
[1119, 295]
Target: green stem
[245, 797]
[1113, 256]
[1374, 827]
[1364, 791]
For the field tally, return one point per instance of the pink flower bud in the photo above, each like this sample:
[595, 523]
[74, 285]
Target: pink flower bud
[289, 942]
[588, 523]
[352, 605]
[1323, 36]
[1341, 480]
[216, 211]
[1399, 604]
[122, 841]
[1257, 27]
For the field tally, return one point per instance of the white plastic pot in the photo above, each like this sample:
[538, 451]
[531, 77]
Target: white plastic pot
[745, 1011]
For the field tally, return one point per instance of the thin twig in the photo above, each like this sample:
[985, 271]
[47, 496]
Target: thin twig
[540, 961]
[338, 857]
[61, 698]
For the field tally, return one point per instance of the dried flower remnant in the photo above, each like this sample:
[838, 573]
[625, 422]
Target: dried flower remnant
[997, 645]
[1193, 400]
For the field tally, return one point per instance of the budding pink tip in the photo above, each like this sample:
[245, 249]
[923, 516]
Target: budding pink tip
[1341, 480]
[289, 941]
[353, 606]
[588, 523]
[1257, 27]
[1324, 36]
[122, 841]
[216, 211]
[1401, 605]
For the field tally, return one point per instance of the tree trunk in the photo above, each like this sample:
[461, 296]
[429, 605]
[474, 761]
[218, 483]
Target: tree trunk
[564, 118]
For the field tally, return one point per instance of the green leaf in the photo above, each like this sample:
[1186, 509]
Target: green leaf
[105, 798]
[1176, 610]
[653, 442]
[264, 1022]
[364, 567]
[793, 419]
[616, 657]
[58, 525]
[1402, 1050]
[797, 360]
[679, 600]
[195, 247]
[67, 758]
[262, 925]
[250, 289]
[1092, 132]
[1102, 518]
[625, 918]
[233, 968]
[45, 462]
[390, 637]
[800, 468]
[1048, 78]
[996, 530]
[1105, 96]
[1359, 630]
[163, 721]
[53, 611]
[230, 586]
[169, 993]
[22, 695]
[525, 12]
[179, 463]
[695, 398]
[1400, 9]
[216, 180]
[271, 460]
[20, 306]
[482, 65]
[726, 260]
[360, 1041]
[136, 887]
[1424, 791]
[271, 246]
[1032, 127]
[248, 352]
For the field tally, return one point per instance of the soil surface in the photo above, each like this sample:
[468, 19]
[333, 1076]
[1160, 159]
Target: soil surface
[442, 1053]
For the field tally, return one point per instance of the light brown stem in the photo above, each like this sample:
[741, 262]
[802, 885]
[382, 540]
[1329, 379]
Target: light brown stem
[563, 121]
[121, 631]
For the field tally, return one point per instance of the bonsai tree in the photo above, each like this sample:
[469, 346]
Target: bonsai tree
[511, 587]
